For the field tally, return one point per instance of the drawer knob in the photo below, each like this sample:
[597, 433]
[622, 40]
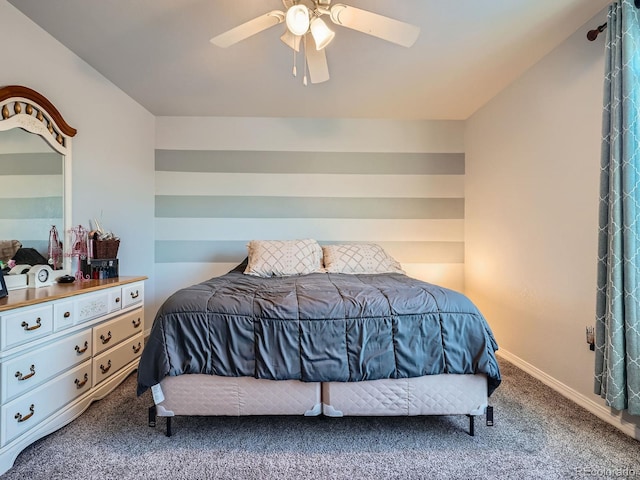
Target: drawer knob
[21, 377]
[137, 348]
[107, 368]
[67, 314]
[82, 383]
[117, 299]
[136, 323]
[18, 416]
[83, 349]
[135, 294]
[27, 328]
[106, 339]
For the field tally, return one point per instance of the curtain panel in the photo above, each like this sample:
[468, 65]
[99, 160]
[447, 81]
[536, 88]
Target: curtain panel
[617, 368]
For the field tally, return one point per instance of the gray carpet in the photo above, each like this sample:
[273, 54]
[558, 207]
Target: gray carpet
[537, 434]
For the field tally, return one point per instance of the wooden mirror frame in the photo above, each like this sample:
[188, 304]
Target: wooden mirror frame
[22, 107]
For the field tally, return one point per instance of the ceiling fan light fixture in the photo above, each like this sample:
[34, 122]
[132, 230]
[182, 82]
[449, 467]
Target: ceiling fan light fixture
[304, 24]
[298, 19]
[322, 34]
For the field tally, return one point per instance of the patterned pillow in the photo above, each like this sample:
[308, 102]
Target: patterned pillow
[278, 258]
[359, 258]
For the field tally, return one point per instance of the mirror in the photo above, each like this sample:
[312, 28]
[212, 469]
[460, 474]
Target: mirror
[35, 171]
[32, 193]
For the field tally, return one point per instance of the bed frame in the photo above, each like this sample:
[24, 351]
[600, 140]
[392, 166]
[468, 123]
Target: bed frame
[210, 395]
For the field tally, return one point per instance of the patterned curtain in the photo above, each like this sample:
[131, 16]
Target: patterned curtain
[617, 370]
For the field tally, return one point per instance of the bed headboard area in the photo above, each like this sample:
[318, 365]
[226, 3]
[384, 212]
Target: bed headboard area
[210, 203]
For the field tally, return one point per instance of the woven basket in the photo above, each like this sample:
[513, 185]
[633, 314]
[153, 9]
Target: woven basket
[105, 248]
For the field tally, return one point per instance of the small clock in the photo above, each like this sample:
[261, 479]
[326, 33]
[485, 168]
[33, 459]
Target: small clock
[40, 276]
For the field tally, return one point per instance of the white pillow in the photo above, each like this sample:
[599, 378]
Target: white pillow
[278, 258]
[358, 258]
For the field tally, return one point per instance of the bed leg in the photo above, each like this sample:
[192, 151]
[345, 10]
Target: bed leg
[472, 424]
[152, 416]
[489, 416]
[169, 431]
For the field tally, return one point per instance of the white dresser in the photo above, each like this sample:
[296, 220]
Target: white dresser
[61, 348]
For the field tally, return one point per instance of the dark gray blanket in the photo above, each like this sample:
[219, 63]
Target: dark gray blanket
[318, 327]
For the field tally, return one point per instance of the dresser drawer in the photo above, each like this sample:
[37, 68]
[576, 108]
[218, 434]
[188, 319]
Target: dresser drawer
[26, 325]
[36, 367]
[29, 410]
[64, 315]
[132, 294]
[109, 362]
[110, 333]
[92, 306]
[115, 299]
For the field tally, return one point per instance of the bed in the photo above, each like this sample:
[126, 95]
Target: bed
[300, 329]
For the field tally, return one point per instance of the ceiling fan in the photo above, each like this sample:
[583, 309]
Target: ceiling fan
[306, 27]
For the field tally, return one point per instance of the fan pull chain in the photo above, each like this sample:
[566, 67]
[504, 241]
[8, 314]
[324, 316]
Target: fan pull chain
[295, 70]
[304, 79]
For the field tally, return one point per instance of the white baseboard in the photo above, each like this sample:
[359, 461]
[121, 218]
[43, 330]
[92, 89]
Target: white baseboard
[602, 412]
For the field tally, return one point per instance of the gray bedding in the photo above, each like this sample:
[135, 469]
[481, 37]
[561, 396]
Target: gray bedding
[318, 327]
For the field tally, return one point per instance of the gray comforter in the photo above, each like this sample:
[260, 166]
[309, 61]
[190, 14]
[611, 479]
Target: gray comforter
[318, 327]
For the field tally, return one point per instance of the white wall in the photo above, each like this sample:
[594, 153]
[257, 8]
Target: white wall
[113, 152]
[532, 188]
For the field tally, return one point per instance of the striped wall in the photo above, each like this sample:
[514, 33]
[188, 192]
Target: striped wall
[211, 201]
[31, 197]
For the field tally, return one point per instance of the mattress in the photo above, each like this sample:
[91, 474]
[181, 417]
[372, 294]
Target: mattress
[320, 327]
[201, 394]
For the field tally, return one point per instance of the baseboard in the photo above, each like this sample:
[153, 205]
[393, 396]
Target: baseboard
[600, 411]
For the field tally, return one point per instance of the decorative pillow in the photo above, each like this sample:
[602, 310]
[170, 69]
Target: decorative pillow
[359, 258]
[277, 258]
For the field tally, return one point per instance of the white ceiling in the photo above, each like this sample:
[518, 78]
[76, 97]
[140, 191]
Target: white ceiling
[158, 52]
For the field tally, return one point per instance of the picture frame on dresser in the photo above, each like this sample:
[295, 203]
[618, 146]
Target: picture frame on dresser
[3, 286]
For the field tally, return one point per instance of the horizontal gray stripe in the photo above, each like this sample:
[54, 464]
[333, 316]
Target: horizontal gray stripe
[21, 208]
[310, 162]
[212, 251]
[30, 164]
[197, 206]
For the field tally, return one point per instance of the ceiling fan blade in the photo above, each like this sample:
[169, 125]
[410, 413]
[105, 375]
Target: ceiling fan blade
[386, 28]
[316, 61]
[291, 40]
[248, 29]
